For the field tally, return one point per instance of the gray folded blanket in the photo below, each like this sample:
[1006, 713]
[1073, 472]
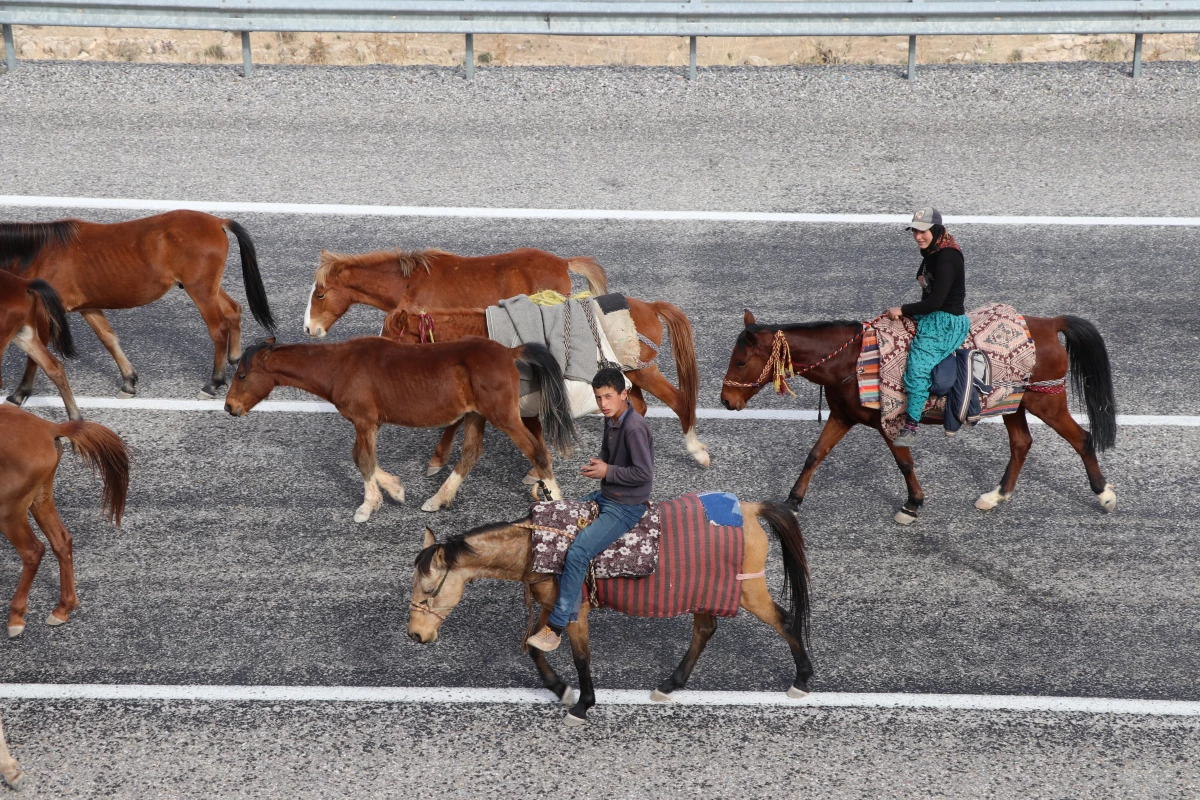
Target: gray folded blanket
[518, 320]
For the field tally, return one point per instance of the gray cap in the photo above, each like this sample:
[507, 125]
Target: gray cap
[925, 219]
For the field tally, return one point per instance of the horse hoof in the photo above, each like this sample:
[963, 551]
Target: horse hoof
[54, 621]
[431, 505]
[1108, 499]
[568, 697]
[530, 479]
[15, 782]
[796, 693]
[431, 470]
[905, 518]
[703, 458]
[572, 721]
[991, 499]
[124, 395]
[206, 394]
[12, 400]
[362, 515]
[15, 630]
[660, 697]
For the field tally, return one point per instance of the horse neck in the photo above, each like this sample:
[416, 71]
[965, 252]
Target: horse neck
[459, 322]
[502, 554]
[809, 345]
[312, 368]
[379, 286]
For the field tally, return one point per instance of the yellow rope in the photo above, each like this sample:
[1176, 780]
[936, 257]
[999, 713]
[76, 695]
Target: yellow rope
[549, 297]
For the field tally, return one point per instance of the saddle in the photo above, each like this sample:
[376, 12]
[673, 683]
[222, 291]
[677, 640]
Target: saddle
[554, 525]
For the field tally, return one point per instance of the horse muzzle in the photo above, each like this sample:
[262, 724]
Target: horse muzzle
[419, 638]
[315, 331]
[234, 411]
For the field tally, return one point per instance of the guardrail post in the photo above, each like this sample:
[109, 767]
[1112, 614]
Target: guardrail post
[10, 49]
[470, 62]
[247, 61]
[691, 58]
[912, 58]
[1137, 56]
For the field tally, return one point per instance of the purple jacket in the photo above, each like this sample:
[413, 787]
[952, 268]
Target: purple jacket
[628, 449]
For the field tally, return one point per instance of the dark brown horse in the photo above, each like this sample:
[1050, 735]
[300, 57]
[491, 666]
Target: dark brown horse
[504, 551]
[96, 266]
[373, 382]
[30, 452]
[31, 313]
[755, 357]
[437, 279]
[405, 325]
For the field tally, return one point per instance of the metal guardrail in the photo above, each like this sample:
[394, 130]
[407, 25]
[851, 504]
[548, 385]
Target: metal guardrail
[910, 18]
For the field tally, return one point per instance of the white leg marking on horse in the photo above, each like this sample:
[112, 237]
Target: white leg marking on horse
[15, 630]
[391, 484]
[697, 448]
[1108, 498]
[904, 518]
[796, 694]
[445, 495]
[991, 499]
[660, 697]
[372, 500]
[568, 698]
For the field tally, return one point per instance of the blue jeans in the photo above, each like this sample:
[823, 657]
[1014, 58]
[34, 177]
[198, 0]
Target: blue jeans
[615, 520]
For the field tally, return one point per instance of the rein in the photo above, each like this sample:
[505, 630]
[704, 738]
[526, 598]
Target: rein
[780, 366]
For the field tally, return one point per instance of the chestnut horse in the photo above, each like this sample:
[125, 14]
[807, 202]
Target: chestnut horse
[829, 352]
[97, 266]
[404, 325]
[32, 313]
[504, 551]
[373, 381]
[436, 279]
[10, 770]
[30, 452]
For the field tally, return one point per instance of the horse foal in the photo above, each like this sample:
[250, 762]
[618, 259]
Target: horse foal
[373, 382]
[32, 313]
[30, 452]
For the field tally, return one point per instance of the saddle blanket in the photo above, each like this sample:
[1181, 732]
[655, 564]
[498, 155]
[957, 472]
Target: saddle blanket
[556, 522]
[996, 329]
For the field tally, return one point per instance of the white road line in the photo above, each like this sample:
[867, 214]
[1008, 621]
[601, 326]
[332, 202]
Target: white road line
[318, 407]
[623, 697]
[339, 209]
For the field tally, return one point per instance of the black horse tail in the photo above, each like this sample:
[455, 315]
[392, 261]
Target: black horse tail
[558, 426]
[256, 295]
[60, 330]
[783, 524]
[1091, 378]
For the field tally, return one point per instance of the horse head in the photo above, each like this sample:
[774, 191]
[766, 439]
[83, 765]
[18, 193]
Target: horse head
[329, 298]
[751, 358]
[395, 327]
[251, 383]
[437, 586]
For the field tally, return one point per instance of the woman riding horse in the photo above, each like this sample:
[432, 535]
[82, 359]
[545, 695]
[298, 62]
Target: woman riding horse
[942, 324]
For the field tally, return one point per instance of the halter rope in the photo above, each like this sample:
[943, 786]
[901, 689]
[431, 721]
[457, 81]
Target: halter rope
[781, 367]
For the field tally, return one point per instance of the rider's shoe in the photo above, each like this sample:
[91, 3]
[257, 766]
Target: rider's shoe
[906, 438]
[545, 640]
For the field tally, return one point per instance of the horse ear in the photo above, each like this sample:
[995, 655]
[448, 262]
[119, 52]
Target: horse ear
[748, 318]
[430, 539]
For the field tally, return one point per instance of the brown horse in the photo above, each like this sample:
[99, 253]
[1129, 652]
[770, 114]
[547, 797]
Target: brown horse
[10, 770]
[32, 313]
[504, 551]
[96, 266]
[830, 352]
[404, 325]
[436, 279]
[30, 452]
[373, 381]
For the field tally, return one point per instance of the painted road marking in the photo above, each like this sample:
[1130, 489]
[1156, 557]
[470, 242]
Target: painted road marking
[319, 407]
[623, 697]
[339, 209]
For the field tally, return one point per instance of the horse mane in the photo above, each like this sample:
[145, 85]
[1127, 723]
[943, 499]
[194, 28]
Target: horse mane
[752, 330]
[454, 548]
[21, 242]
[407, 261]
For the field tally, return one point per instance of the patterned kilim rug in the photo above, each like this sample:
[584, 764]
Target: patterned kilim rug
[996, 329]
[555, 523]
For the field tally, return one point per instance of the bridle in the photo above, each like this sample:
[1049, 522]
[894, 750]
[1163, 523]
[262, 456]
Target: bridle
[424, 604]
[780, 366]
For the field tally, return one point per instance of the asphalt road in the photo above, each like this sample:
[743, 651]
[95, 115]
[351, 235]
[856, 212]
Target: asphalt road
[239, 564]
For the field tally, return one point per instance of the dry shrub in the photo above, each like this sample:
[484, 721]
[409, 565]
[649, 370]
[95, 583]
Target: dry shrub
[1016, 55]
[1107, 50]
[287, 37]
[126, 50]
[318, 52]
[215, 52]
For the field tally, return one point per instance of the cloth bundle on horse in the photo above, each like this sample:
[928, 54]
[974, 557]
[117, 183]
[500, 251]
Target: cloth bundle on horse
[703, 569]
[830, 354]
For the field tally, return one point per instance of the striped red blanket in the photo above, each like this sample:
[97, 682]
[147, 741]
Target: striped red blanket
[698, 565]
[996, 329]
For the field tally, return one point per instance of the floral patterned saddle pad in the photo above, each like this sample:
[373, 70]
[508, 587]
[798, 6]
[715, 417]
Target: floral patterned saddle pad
[555, 523]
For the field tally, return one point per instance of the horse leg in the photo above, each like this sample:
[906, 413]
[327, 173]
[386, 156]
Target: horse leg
[908, 512]
[441, 453]
[25, 387]
[1019, 440]
[17, 530]
[46, 515]
[534, 426]
[581, 652]
[836, 427]
[545, 593]
[108, 337]
[218, 331]
[472, 448]
[654, 382]
[368, 466]
[10, 770]
[703, 627]
[1052, 409]
[28, 341]
[233, 318]
[756, 599]
[534, 449]
[636, 398]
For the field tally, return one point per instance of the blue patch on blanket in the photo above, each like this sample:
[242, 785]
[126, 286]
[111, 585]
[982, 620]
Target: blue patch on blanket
[722, 508]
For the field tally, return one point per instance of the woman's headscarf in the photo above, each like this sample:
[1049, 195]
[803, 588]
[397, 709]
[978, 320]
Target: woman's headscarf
[941, 239]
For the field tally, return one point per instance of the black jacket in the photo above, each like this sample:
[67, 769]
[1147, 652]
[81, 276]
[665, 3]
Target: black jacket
[945, 284]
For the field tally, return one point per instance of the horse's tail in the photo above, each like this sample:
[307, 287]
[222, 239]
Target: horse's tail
[256, 295]
[1091, 378]
[102, 449]
[590, 269]
[683, 344]
[783, 524]
[60, 329]
[558, 426]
